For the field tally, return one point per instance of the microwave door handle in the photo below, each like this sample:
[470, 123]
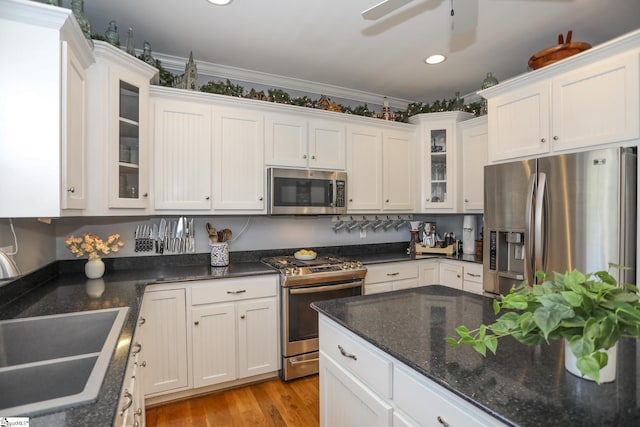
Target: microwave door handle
[332, 189]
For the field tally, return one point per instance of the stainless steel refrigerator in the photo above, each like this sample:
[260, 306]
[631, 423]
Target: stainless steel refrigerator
[559, 213]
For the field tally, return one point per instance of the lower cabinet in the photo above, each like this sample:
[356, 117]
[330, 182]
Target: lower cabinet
[391, 277]
[205, 333]
[428, 272]
[353, 392]
[462, 275]
[131, 409]
[451, 275]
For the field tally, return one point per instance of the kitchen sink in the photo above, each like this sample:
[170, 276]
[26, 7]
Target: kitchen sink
[51, 362]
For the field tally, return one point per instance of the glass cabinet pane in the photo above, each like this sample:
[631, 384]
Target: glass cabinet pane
[438, 166]
[129, 142]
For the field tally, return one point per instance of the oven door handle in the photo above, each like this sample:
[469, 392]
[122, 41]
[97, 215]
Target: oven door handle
[329, 288]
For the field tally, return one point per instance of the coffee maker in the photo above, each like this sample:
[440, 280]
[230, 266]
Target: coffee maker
[469, 234]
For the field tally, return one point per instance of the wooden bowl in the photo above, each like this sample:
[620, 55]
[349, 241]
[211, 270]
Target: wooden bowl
[556, 53]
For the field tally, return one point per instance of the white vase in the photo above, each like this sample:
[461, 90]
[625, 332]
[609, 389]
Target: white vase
[607, 374]
[94, 268]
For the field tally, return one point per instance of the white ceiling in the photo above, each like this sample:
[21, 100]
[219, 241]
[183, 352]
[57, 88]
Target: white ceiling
[328, 42]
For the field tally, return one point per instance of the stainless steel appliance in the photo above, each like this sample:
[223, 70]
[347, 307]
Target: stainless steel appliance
[559, 213]
[304, 282]
[306, 192]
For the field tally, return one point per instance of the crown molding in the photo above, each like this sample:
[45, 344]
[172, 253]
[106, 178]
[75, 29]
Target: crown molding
[176, 63]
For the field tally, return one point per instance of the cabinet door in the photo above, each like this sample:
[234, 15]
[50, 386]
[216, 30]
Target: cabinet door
[474, 158]
[73, 131]
[451, 275]
[257, 337]
[326, 145]
[285, 141]
[214, 344]
[439, 151]
[429, 273]
[397, 171]
[596, 104]
[345, 401]
[165, 341]
[182, 151]
[238, 159]
[519, 123]
[364, 169]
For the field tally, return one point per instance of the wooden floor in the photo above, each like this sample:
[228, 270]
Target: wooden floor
[270, 403]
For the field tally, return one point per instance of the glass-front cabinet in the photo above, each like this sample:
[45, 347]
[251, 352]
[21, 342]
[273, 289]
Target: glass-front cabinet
[439, 160]
[128, 141]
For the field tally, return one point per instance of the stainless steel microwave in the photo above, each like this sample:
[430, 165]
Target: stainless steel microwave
[306, 192]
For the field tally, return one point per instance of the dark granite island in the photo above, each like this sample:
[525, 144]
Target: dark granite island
[524, 386]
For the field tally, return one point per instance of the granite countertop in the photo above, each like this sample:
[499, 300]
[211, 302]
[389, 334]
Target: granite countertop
[71, 291]
[522, 386]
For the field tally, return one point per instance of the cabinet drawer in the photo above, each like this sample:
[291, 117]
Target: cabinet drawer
[221, 290]
[391, 272]
[431, 405]
[357, 357]
[473, 272]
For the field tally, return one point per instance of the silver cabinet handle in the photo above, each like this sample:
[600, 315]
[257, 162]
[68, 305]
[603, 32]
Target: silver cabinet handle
[242, 317]
[241, 291]
[127, 395]
[304, 156]
[458, 276]
[543, 140]
[386, 201]
[145, 195]
[137, 348]
[466, 200]
[196, 322]
[556, 137]
[142, 321]
[71, 189]
[138, 412]
[442, 421]
[313, 157]
[473, 275]
[261, 199]
[428, 199]
[207, 198]
[345, 354]
[393, 274]
[144, 364]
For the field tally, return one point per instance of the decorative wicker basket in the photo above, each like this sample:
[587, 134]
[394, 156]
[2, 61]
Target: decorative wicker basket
[558, 52]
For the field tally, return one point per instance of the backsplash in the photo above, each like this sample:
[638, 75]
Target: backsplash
[40, 243]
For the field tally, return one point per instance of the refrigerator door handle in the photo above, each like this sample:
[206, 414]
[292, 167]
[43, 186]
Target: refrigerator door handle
[539, 232]
[528, 233]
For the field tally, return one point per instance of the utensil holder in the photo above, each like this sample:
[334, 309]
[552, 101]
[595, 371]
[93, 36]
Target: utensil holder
[219, 254]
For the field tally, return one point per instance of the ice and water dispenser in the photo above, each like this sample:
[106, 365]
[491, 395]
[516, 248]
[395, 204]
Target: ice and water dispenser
[505, 266]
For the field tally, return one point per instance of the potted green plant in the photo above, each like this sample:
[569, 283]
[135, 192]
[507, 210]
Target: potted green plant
[590, 312]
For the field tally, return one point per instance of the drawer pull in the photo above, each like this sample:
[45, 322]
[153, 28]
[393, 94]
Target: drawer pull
[127, 395]
[137, 348]
[241, 291]
[473, 275]
[142, 321]
[393, 274]
[442, 421]
[345, 354]
[294, 362]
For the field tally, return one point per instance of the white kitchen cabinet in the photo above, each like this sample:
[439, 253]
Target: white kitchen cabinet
[472, 278]
[164, 335]
[379, 167]
[391, 276]
[474, 155]
[361, 385]
[235, 330]
[286, 138]
[119, 132]
[579, 103]
[182, 154]
[439, 157]
[428, 272]
[327, 144]
[43, 168]
[130, 411]
[451, 274]
[238, 161]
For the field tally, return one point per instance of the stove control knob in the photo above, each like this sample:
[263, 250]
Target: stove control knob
[295, 271]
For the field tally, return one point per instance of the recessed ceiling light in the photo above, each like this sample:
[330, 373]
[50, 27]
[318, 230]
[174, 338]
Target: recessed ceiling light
[435, 59]
[220, 2]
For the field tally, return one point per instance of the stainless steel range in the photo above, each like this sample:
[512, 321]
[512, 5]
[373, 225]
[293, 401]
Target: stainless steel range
[304, 282]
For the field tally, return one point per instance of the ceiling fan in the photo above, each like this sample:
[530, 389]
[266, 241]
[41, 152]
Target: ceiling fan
[467, 22]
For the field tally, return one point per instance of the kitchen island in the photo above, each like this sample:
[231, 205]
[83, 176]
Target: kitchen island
[520, 386]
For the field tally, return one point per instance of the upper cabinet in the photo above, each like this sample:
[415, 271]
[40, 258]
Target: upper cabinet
[439, 156]
[182, 140]
[42, 121]
[590, 99]
[380, 169]
[119, 131]
[474, 152]
[295, 141]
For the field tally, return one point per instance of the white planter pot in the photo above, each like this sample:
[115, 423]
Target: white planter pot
[94, 269]
[607, 374]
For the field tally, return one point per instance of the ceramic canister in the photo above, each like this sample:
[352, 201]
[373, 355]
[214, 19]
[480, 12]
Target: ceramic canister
[219, 254]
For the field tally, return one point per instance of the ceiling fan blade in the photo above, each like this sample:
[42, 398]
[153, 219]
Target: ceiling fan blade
[383, 8]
